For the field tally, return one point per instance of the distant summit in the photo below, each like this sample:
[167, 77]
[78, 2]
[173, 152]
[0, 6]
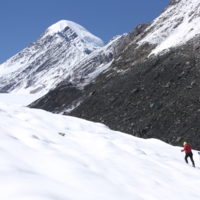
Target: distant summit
[84, 34]
[48, 60]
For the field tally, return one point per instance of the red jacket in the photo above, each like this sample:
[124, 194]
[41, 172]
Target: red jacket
[187, 148]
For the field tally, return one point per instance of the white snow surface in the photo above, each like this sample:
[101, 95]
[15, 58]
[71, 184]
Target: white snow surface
[19, 98]
[175, 26]
[91, 162]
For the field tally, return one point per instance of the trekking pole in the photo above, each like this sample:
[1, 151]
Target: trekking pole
[182, 154]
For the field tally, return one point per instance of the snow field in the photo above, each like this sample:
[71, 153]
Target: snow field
[91, 162]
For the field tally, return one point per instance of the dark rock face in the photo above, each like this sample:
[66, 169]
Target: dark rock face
[158, 97]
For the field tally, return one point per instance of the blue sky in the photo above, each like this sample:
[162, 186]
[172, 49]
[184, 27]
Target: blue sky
[23, 21]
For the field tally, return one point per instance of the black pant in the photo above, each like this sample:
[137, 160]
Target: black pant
[191, 158]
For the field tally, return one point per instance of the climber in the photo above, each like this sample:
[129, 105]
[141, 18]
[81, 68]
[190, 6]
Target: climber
[188, 153]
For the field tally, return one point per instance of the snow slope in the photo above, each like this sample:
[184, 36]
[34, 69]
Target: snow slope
[177, 24]
[90, 162]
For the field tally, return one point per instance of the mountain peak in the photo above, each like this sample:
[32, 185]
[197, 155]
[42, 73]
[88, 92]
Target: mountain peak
[59, 26]
[83, 33]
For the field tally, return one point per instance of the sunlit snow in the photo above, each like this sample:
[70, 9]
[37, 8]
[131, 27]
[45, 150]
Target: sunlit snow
[91, 162]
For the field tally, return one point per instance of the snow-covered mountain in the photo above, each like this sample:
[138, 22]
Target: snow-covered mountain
[41, 65]
[65, 53]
